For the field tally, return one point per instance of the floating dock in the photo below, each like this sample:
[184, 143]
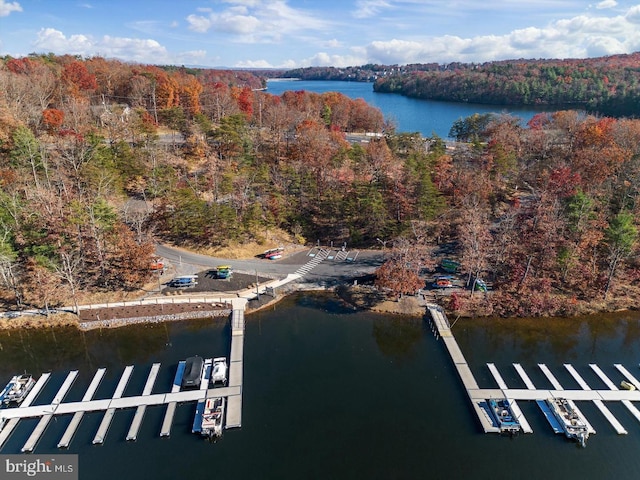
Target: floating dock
[479, 396]
[44, 420]
[171, 407]
[77, 417]
[9, 417]
[140, 409]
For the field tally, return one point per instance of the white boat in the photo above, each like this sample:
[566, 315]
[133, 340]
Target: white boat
[571, 422]
[17, 389]
[212, 417]
[503, 416]
[219, 372]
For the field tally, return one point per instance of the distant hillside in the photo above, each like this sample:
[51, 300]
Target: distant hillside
[608, 85]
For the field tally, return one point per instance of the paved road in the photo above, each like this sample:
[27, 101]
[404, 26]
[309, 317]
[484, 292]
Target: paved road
[328, 272]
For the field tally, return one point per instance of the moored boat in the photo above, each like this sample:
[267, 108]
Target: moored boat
[17, 389]
[192, 372]
[219, 371]
[572, 424]
[503, 416]
[212, 417]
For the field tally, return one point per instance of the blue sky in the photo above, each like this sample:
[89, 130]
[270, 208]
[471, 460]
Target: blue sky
[298, 33]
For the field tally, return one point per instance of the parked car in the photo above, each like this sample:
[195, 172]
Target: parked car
[442, 282]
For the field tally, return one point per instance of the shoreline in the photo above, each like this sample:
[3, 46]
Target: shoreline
[120, 316]
[362, 297]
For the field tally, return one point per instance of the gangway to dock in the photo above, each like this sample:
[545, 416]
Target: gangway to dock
[234, 402]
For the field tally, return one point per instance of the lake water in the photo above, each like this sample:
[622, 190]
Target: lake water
[408, 114]
[332, 393]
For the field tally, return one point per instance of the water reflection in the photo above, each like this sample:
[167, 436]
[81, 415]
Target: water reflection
[397, 336]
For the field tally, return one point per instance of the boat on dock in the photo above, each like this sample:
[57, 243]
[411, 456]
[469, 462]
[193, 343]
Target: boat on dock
[17, 389]
[503, 416]
[572, 424]
[212, 417]
[192, 372]
[219, 372]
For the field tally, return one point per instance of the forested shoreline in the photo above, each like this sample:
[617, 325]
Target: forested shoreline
[100, 159]
[605, 85]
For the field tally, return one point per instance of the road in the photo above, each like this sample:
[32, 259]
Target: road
[329, 272]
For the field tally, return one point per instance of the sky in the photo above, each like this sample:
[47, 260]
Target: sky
[302, 33]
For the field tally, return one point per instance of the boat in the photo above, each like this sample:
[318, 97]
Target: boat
[184, 281]
[17, 389]
[192, 372]
[212, 417]
[219, 372]
[571, 422]
[503, 416]
[627, 386]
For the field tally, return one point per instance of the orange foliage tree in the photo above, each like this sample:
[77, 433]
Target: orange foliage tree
[52, 119]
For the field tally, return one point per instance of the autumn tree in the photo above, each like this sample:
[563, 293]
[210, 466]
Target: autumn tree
[620, 238]
[52, 119]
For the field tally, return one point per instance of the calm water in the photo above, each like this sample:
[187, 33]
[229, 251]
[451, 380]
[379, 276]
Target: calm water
[333, 393]
[408, 114]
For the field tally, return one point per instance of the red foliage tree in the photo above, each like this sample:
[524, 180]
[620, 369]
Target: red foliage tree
[52, 119]
[78, 77]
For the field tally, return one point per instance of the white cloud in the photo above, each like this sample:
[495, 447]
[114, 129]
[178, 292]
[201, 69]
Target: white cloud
[633, 14]
[577, 37]
[7, 8]
[606, 4]
[254, 64]
[369, 8]
[132, 49]
[256, 21]
[198, 23]
[333, 43]
[51, 40]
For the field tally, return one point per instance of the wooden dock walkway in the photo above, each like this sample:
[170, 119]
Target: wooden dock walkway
[478, 396]
[9, 417]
